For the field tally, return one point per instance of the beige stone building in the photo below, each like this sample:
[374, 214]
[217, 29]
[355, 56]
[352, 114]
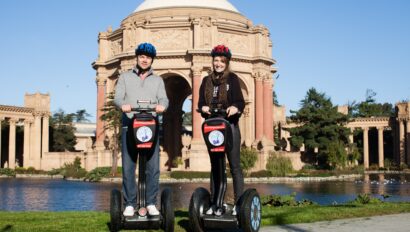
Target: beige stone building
[184, 32]
[34, 117]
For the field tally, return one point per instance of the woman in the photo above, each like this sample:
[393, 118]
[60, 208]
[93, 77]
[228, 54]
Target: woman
[221, 89]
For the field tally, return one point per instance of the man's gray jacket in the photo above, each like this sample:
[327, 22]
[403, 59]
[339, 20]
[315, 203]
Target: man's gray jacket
[131, 88]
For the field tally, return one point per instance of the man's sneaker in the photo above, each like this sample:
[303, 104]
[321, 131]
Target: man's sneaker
[210, 211]
[129, 211]
[152, 210]
[234, 213]
[218, 212]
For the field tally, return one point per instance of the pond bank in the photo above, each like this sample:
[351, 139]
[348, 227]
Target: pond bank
[165, 180]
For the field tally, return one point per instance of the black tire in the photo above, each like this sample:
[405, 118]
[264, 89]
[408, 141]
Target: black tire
[200, 201]
[250, 214]
[167, 211]
[115, 210]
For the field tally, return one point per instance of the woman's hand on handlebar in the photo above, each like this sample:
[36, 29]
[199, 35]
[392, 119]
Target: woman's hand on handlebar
[232, 110]
[205, 110]
[159, 109]
[126, 108]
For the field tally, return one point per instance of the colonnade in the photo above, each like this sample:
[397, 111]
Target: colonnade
[36, 139]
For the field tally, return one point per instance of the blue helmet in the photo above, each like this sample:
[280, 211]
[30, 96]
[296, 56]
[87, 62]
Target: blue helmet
[146, 49]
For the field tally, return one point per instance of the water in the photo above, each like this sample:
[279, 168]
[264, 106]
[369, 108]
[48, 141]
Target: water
[61, 195]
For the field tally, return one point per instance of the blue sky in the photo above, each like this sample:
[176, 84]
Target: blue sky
[340, 47]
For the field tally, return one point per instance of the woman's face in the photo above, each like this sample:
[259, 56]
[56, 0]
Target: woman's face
[219, 63]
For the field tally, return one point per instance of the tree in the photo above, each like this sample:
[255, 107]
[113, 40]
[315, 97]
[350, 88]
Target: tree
[275, 98]
[81, 116]
[370, 108]
[112, 117]
[320, 126]
[62, 132]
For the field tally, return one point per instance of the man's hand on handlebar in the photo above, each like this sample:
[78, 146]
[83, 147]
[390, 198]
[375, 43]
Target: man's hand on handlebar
[126, 108]
[205, 110]
[231, 111]
[159, 109]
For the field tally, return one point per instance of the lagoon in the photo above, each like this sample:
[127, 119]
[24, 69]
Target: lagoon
[25, 194]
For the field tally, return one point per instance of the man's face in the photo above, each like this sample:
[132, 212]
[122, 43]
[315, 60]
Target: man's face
[144, 61]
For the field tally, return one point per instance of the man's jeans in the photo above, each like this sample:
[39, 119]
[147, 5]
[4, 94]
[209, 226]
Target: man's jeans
[129, 160]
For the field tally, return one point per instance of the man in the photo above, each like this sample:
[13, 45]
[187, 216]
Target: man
[137, 84]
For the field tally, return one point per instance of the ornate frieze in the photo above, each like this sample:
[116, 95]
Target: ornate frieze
[116, 47]
[238, 43]
[170, 39]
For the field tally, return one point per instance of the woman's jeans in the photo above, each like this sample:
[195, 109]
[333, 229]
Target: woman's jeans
[234, 165]
[129, 160]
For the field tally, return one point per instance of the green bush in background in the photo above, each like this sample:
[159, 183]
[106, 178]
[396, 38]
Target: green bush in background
[278, 166]
[7, 172]
[249, 156]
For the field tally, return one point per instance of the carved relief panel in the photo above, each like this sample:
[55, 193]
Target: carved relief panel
[170, 39]
[236, 42]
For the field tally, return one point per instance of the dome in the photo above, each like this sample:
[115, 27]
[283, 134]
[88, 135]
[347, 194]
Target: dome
[216, 4]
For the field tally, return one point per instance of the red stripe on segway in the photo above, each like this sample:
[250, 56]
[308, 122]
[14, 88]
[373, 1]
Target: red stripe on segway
[208, 128]
[144, 145]
[218, 149]
[143, 123]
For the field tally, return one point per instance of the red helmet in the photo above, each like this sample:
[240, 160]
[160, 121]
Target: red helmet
[221, 50]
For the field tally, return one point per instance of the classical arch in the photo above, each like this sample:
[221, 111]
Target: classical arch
[178, 89]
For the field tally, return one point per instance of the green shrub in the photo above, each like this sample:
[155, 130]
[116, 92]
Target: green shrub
[189, 175]
[74, 169]
[365, 198]
[278, 166]
[309, 167]
[388, 164]
[248, 158]
[98, 173]
[29, 170]
[55, 171]
[177, 161]
[285, 200]
[7, 172]
[261, 173]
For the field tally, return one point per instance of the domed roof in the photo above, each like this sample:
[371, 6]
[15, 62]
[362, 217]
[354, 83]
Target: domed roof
[156, 4]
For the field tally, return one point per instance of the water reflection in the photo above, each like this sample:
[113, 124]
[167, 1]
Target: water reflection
[60, 195]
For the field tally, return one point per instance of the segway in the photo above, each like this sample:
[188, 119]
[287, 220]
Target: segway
[143, 131]
[217, 133]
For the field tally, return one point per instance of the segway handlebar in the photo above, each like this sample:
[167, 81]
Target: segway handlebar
[149, 108]
[216, 112]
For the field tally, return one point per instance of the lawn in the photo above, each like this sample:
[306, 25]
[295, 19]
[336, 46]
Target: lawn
[99, 221]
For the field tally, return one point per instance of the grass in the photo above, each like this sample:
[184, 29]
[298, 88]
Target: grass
[99, 221]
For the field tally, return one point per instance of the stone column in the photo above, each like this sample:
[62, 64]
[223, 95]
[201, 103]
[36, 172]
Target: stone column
[45, 134]
[267, 106]
[26, 151]
[258, 106]
[380, 146]
[196, 117]
[351, 139]
[36, 139]
[12, 143]
[408, 141]
[366, 147]
[101, 86]
[248, 130]
[401, 142]
[1, 120]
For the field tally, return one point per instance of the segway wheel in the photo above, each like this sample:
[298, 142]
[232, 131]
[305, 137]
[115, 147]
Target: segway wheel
[115, 210]
[167, 210]
[250, 211]
[200, 201]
